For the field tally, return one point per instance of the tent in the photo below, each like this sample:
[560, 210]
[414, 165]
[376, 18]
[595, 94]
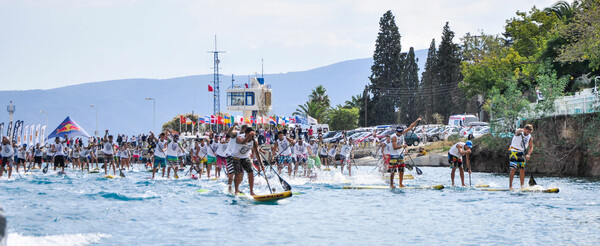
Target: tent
[70, 128]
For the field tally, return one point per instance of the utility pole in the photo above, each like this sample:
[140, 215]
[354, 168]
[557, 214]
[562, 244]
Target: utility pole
[216, 82]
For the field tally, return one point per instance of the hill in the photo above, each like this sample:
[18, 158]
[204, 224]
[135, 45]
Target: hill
[122, 106]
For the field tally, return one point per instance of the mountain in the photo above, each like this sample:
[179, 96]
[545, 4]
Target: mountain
[122, 106]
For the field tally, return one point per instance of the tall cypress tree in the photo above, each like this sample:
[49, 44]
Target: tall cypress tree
[428, 78]
[448, 98]
[409, 90]
[385, 72]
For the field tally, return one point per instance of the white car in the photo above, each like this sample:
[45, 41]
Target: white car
[483, 131]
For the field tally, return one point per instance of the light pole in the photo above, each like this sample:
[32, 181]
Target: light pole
[46, 113]
[154, 112]
[96, 108]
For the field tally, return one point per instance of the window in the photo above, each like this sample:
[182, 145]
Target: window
[249, 98]
[235, 99]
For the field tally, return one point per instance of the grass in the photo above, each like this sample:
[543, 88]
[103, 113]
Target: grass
[439, 146]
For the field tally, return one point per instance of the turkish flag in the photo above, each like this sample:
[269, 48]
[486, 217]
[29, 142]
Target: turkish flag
[182, 119]
[210, 89]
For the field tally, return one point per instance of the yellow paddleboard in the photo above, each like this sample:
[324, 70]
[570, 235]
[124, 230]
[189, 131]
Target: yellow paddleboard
[272, 197]
[549, 190]
[359, 187]
[408, 176]
[482, 186]
[109, 176]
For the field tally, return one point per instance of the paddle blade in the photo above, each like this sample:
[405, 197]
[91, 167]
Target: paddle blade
[531, 180]
[45, 170]
[419, 172]
[409, 167]
[285, 185]
[121, 173]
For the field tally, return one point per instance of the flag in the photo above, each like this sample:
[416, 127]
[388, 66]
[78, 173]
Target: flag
[181, 119]
[26, 135]
[37, 133]
[43, 133]
[207, 119]
[201, 120]
[272, 121]
[213, 120]
[32, 134]
[312, 120]
[227, 119]
[210, 89]
[188, 121]
[259, 120]
[221, 120]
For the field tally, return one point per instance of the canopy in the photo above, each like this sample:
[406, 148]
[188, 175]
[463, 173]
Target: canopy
[70, 128]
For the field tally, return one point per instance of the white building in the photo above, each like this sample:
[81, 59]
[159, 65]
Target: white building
[253, 98]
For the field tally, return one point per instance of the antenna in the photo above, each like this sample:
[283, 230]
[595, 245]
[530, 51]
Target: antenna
[262, 67]
[216, 90]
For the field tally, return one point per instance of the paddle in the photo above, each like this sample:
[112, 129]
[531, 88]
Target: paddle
[419, 172]
[264, 174]
[531, 179]
[45, 170]
[285, 184]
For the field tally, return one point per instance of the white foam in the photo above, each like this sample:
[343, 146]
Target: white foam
[63, 240]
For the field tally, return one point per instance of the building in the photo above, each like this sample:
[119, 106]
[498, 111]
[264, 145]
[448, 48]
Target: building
[253, 98]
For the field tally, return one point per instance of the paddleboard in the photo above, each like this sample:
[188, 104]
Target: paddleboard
[33, 168]
[326, 169]
[109, 176]
[363, 187]
[269, 197]
[482, 186]
[94, 171]
[202, 190]
[409, 176]
[549, 190]
[60, 173]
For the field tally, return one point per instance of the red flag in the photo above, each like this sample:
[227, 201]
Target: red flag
[182, 119]
[210, 89]
[221, 120]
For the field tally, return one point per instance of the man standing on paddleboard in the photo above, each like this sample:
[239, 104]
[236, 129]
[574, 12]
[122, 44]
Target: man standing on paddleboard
[455, 156]
[520, 142]
[397, 153]
[245, 146]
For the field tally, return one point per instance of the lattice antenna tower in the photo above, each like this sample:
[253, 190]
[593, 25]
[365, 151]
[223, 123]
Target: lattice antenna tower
[216, 82]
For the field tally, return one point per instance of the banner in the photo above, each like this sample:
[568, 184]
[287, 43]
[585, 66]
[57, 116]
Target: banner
[68, 127]
[9, 130]
[26, 135]
[1, 130]
[16, 130]
[37, 134]
[43, 133]
[32, 134]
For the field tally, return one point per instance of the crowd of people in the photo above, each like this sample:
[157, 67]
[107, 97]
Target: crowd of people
[232, 152]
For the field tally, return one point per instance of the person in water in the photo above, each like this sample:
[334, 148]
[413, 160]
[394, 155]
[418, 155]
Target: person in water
[455, 156]
[521, 142]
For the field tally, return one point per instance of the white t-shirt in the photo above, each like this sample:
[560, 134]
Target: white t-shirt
[38, 152]
[107, 148]
[173, 149]
[301, 149]
[332, 152]
[283, 147]
[243, 151]
[314, 148]
[454, 150]
[399, 142]
[7, 150]
[210, 150]
[346, 149]
[60, 149]
[323, 150]
[230, 146]
[222, 149]
[159, 150]
[386, 148]
[517, 142]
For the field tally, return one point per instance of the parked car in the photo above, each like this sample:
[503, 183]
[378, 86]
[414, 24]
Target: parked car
[481, 132]
[434, 134]
[411, 138]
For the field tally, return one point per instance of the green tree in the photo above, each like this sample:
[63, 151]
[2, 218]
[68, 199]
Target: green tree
[341, 118]
[584, 36]
[428, 78]
[356, 101]
[385, 72]
[410, 106]
[313, 109]
[449, 99]
[563, 10]
[319, 95]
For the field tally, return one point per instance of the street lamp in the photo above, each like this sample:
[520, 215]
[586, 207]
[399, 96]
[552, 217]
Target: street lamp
[154, 112]
[96, 108]
[46, 113]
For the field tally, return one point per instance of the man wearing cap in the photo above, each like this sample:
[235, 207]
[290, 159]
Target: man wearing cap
[455, 156]
[397, 153]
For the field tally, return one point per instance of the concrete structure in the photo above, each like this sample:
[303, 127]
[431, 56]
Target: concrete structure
[253, 98]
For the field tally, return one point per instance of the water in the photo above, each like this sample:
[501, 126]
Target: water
[82, 209]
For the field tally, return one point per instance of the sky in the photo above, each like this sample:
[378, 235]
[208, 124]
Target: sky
[54, 43]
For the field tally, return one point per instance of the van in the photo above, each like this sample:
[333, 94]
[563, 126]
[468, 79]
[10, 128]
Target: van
[461, 119]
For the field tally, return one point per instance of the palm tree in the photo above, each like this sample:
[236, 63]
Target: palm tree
[563, 10]
[355, 102]
[319, 95]
[312, 109]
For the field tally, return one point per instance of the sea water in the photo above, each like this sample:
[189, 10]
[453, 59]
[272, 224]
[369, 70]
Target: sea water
[86, 209]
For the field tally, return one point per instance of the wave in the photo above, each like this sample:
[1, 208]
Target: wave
[121, 197]
[64, 239]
